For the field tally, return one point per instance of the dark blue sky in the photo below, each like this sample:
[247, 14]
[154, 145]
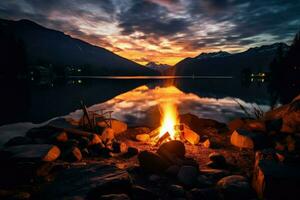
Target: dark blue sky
[164, 31]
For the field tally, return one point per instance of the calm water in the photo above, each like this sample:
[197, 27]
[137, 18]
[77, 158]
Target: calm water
[132, 100]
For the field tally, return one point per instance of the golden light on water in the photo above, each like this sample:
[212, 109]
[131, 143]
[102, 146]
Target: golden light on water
[169, 118]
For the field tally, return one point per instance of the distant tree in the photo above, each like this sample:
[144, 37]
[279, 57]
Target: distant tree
[285, 73]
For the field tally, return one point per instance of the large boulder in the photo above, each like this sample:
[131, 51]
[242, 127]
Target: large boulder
[218, 161]
[88, 182]
[235, 187]
[245, 139]
[187, 175]
[196, 123]
[273, 179]
[173, 147]
[152, 162]
[290, 115]
[247, 124]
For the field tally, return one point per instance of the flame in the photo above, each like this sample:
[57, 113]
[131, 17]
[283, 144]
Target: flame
[169, 119]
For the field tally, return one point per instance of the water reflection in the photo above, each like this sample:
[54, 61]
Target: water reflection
[140, 105]
[38, 101]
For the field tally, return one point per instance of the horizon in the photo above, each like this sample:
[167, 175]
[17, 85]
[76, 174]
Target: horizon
[164, 31]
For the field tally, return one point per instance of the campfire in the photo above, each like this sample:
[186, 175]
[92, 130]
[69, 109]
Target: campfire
[171, 128]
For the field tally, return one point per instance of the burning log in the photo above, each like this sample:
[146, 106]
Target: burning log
[163, 138]
[154, 133]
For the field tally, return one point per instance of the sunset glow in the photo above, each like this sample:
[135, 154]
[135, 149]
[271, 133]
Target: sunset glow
[163, 31]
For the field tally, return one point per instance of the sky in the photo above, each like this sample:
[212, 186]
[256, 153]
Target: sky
[164, 31]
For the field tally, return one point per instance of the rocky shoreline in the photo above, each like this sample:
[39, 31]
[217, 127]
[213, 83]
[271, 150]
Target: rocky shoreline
[244, 159]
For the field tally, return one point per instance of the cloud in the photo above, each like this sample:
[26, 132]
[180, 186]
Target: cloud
[152, 30]
[150, 18]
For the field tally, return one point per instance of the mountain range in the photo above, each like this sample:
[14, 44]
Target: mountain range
[158, 67]
[45, 46]
[223, 63]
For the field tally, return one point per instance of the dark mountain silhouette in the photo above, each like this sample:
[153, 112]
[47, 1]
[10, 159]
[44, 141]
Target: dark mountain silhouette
[222, 63]
[44, 46]
[220, 54]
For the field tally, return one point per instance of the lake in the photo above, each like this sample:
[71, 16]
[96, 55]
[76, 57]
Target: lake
[133, 100]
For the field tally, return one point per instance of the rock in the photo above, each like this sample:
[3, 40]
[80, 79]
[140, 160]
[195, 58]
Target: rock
[88, 182]
[290, 143]
[105, 152]
[273, 124]
[207, 143]
[198, 124]
[245, 139]
[19, 140]
[188, 175]
[95, 150]
[173, 170]
[59, 137]
[131, 151]
[218, 160]
[119, 147]
[290, 115]
[72, 155]
[255, 125]
[116, 125]
[176, 191]
[115, 197]
[205, 194]
[174, 147]
[242, 138]
[132, 132]
[214, 174]
[85, 152]
[83, 142]
[139, 192]
[273, 179]
[190, 135]
[33, 152]
[236, 124]
[217, 157]
[154, 178]
[152, 162]
[190, 162]
[235, 187]
[142, 137]
[247, 124]
[203, 181]
[95, 139]
[107, 135]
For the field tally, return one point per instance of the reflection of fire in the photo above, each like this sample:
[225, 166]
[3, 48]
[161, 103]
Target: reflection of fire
[168, 120]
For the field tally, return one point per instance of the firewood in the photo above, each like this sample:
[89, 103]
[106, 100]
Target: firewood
[163, 138]
[154, 133]
[74, 132]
